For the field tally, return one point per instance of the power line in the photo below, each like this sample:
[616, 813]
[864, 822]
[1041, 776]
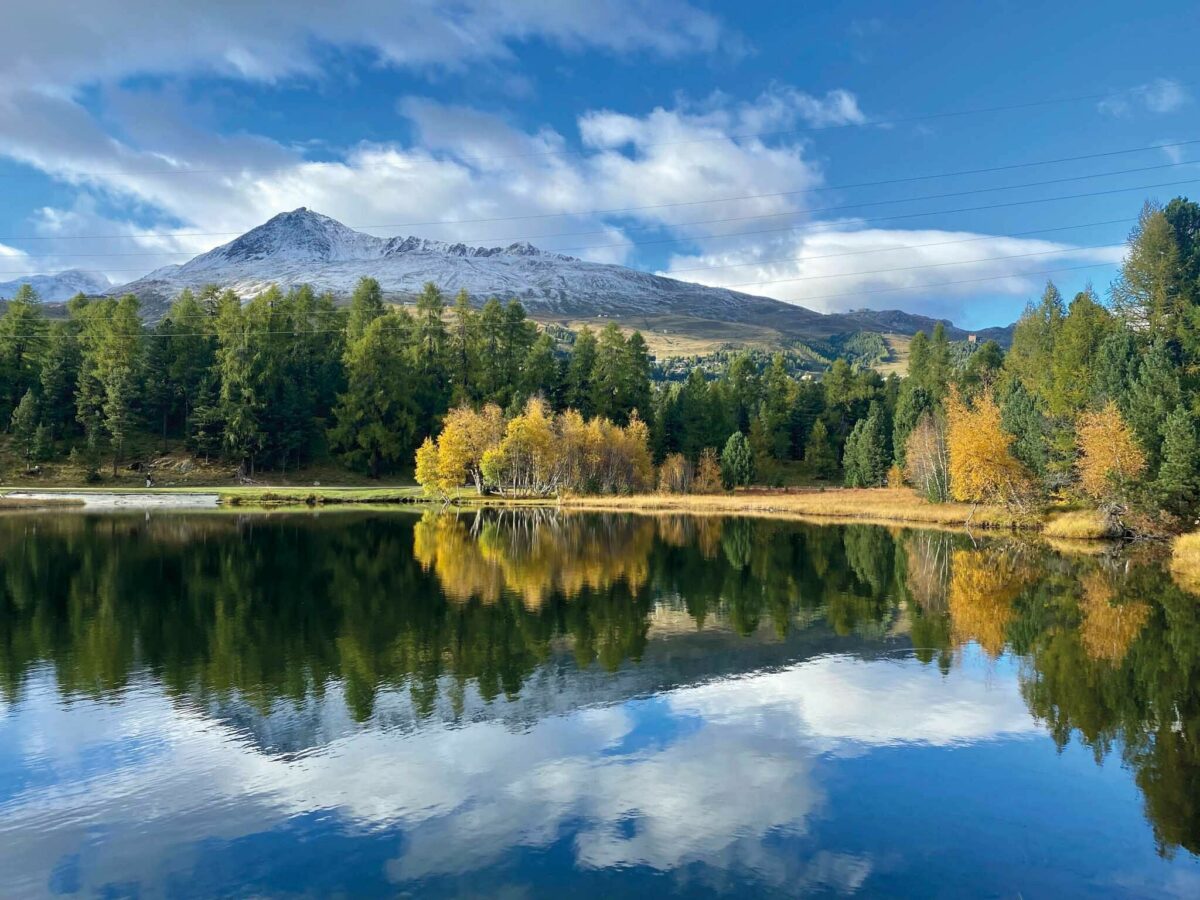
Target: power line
[876, 250]
[628, 209]
[822, 227]
[845, 294]
[659, 226]
[734, 136]
[958, 262]
[971, 240]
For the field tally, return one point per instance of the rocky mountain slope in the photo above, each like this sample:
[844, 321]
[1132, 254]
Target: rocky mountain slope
[58, 287]
[305, 247]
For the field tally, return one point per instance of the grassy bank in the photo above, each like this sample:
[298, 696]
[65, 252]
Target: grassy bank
[885, 505]
[1185, 562]
[843, 504]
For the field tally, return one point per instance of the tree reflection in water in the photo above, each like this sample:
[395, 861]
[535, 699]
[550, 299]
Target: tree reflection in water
[277, 609]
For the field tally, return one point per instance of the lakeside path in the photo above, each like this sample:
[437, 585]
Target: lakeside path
[115, 500]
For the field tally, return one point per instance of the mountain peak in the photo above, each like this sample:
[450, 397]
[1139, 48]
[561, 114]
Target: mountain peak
[58, 286]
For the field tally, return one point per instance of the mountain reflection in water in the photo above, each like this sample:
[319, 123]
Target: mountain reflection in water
[545, 703]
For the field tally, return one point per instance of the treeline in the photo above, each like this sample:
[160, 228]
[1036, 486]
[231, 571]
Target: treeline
[288, 378]
[1093, 400]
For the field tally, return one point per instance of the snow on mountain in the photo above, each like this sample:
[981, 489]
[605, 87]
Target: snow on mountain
[305, 247]
[60, 286]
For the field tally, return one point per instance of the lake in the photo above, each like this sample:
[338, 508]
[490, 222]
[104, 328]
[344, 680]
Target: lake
[539, 705]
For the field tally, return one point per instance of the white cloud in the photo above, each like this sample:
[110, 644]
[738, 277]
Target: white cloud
[837, 268]
[1163, 95]
[467, 165]
[55, 42]
[743, 768]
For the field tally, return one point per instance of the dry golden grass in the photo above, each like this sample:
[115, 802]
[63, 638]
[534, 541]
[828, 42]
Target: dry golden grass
[1083, 524]
[898, 344]
[32, 503]
[845, 504]
[1185, 562]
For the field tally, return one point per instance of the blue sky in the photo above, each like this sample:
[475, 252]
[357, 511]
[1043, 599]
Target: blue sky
[134, 134]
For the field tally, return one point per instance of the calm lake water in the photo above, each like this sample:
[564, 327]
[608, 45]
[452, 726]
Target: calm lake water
[379, 704]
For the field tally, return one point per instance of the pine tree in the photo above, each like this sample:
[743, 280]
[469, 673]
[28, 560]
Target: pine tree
[24, 425]
[818, 451]
[1021, 418]
[636, 380]
[376, 418]
[1177, 487]
[463, 355]
[541, 373]
[608, 375]
[865, 458]
[22, 344]
[579, 387]
[1031, 357]
[939, 366]
[912, 403]
[60, 374]
[366, 305]
[737, 461]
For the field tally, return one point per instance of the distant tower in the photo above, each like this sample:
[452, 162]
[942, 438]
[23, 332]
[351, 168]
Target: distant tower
[970, 338]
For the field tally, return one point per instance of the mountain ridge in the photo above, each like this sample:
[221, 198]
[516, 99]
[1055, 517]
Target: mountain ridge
[302, 246]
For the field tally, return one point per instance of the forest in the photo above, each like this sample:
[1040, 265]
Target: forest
[1097, 399]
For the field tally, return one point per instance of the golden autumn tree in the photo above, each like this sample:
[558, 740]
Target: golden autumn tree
[675, 474]
[1110, 459]
[708, 473]
[982, 466]
[983, 586]
[427, 467]
[524, 460]
[466, 436]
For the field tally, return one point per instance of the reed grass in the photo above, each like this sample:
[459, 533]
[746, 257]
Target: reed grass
[1185, 562]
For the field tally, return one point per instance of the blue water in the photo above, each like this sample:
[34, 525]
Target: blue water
[376, 705]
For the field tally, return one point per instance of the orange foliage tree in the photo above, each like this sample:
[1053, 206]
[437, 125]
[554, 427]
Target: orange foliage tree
[1110, 459]
[982, 466]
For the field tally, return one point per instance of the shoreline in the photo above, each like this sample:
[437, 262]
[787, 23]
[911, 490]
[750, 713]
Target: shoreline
[834, 505]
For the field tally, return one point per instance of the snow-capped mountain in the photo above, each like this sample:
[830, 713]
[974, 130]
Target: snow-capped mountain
[60, 286]
[305, 247]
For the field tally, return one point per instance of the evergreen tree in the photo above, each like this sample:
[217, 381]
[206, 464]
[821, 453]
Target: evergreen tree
[491, 357]
[60, 374]
[866, 459]
[541, 373]
[609, 377]
[463, 356]
[939, 366]
[366, 305]
[429, 343]
[1155, 393]
[1177, 487]
[737, 461]
[376, 418]
[818, 451]
[579, 387]
[1021, 418]
[24, 427]
[1031, 357]
[636, 380]
[742, 375]
[912, 403]
[1080, 337]
[22, 344]
[775, 410]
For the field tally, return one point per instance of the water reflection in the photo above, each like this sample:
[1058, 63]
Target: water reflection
[218, 705]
